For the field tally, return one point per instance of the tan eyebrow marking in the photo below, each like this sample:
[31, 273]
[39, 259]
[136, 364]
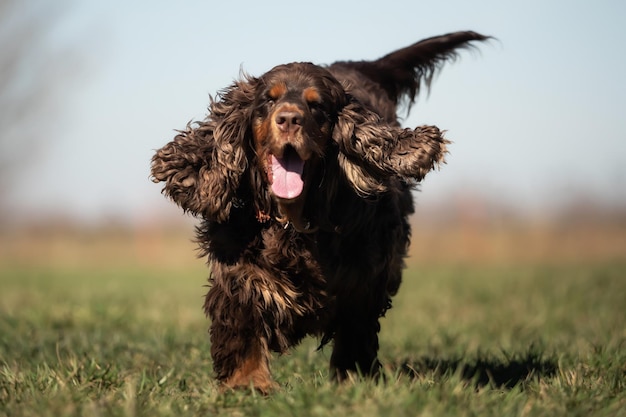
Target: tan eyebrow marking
[311, 95]
[277, 91]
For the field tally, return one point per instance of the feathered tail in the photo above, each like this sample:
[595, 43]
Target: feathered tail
[402, 72]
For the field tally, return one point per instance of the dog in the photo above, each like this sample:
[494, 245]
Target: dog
[302, 179]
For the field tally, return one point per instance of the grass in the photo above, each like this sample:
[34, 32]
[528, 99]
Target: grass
[461, 340]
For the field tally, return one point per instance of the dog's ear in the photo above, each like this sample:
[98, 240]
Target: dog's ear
[203, 166]
[372, 151]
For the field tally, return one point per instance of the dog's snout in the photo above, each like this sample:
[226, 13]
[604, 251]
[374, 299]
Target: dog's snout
[288, 121]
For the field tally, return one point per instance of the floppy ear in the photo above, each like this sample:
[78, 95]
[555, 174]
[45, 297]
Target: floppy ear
[372, 151]
[202, 167]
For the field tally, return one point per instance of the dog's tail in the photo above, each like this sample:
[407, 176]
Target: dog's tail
[402, 72]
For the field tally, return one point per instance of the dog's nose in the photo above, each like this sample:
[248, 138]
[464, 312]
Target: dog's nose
[288, 121]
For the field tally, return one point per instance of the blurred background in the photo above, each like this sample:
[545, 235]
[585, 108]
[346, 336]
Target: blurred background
[88, 91]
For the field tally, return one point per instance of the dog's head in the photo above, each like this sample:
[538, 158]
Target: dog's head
[295, 110]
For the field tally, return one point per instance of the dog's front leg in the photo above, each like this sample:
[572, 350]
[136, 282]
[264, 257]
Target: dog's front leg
[239, 346]
[241, 361]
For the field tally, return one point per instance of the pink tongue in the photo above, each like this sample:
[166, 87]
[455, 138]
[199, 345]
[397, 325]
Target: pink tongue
[286, 175]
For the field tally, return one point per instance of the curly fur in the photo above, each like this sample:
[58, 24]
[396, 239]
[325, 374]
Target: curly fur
[325, 258]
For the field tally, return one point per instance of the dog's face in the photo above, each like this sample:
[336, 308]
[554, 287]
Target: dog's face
[295, 111]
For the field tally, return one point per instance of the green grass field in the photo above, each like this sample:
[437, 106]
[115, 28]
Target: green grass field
[487, 340]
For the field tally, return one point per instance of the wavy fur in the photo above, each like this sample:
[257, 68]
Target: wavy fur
[302, 179]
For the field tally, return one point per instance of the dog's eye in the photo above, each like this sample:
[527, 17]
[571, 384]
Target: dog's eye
[268, 97]
[268, 103]
[319, 112]
[315, 105]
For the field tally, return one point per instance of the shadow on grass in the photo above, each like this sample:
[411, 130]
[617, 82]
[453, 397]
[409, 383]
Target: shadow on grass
[506, 372]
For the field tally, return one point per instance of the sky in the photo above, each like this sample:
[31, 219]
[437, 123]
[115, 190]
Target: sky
[537, 116]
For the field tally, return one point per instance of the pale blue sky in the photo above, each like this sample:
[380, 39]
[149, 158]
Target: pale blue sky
[536, 117]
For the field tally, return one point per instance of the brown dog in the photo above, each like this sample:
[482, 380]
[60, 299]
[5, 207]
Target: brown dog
[302, 178]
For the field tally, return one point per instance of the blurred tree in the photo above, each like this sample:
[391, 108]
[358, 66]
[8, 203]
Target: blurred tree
[34, 70]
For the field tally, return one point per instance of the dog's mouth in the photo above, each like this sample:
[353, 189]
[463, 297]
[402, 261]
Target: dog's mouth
[287, 184]
[286, 174]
